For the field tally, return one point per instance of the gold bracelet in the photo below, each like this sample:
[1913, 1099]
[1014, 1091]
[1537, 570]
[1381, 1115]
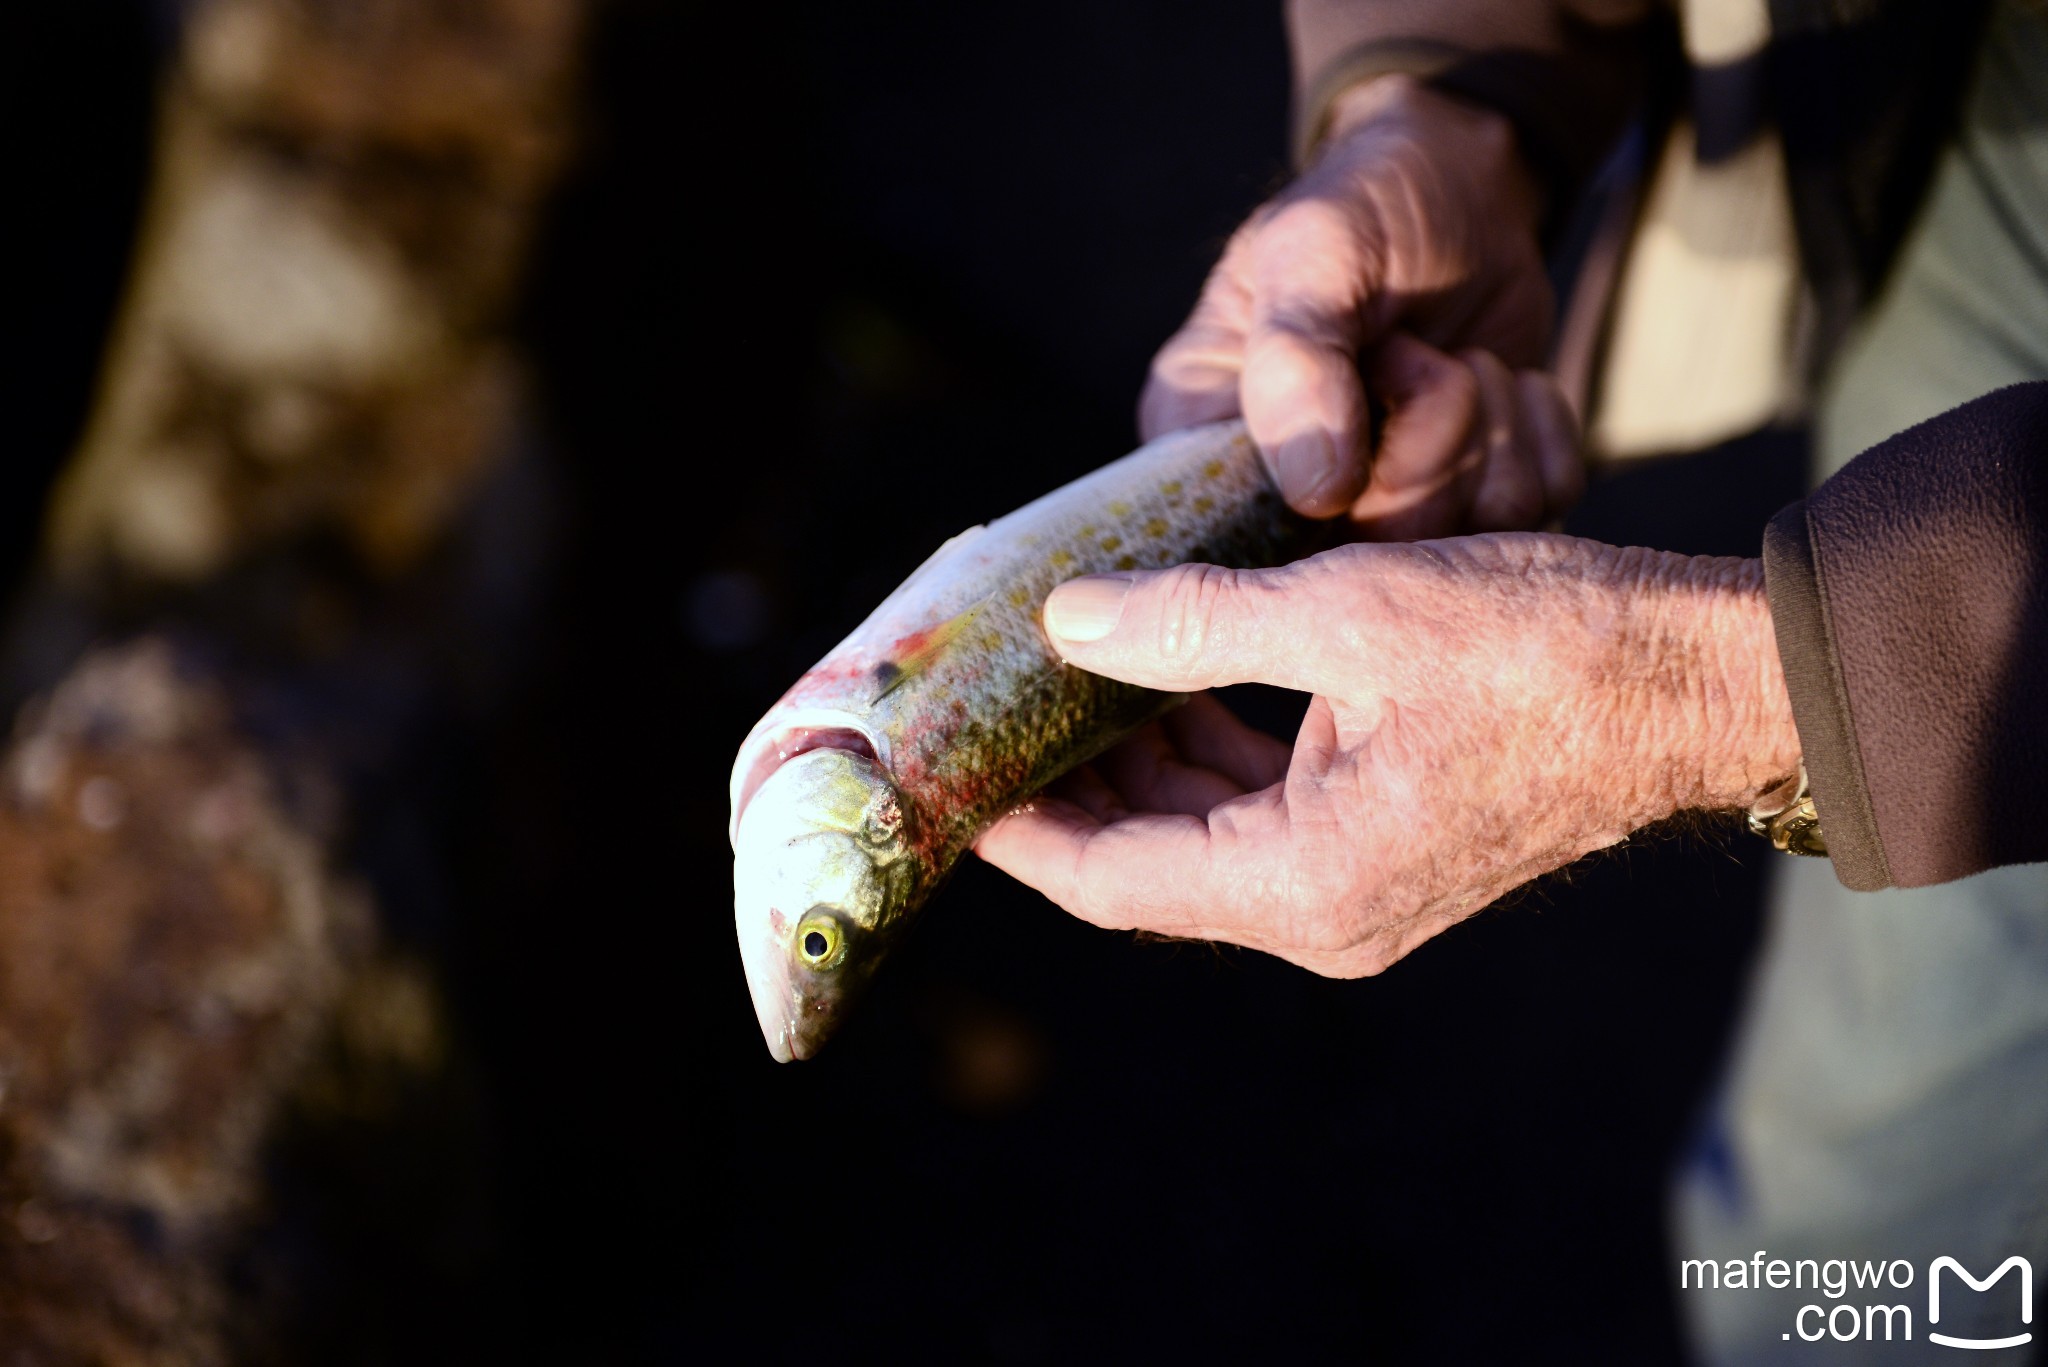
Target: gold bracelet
[1785, 816]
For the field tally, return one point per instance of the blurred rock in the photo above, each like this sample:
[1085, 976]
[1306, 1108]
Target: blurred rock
[172, 947]
[313, 340]
[236, 1123]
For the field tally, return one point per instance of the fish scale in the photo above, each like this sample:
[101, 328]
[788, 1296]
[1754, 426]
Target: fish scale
[947, 707]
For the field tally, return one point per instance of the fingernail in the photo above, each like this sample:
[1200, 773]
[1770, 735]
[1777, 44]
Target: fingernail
[1087, 609]
[1304, 464]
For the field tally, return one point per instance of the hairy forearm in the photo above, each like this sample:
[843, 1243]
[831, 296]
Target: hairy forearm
[1575, 692]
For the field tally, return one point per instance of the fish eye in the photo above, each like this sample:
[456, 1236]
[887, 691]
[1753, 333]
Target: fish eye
[819, 940]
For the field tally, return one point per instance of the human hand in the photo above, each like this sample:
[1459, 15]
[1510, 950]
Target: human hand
[1410, 246]
[1485, 710]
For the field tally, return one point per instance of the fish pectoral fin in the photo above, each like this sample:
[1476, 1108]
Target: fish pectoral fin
[928, 646]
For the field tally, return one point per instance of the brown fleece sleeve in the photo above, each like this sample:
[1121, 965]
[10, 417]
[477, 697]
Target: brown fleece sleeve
[1567, 73]
[1910, 599]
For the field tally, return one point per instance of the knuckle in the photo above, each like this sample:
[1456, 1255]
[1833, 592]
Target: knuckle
[1190, 613]
[1354, 959]
[1247, 235]
[1522, 504]
[1170, 361]
[1494, 137]
[1367, 961]
[1303, 219]
[1303, 341]
[1282, 359]
[1355, 942]
[1161, 368]
[1195, 360]
[1310, 235]
[1487, 368]
[1460, 387]
[1516, 508]
[1326, 921]
[1328, 935]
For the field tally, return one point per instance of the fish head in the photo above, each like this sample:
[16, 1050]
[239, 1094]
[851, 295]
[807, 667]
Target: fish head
[823, 882]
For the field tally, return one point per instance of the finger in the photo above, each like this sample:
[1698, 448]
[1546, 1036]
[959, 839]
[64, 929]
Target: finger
[1509, 497]
[1555, 430]
[1194, 378]
[1209, 734]
[1515, 323]
[1303, 402]
[1151, 776]
[1172, 875]
[1201, 626]
[1428, 461]
[1086, 789]
[1066, 854]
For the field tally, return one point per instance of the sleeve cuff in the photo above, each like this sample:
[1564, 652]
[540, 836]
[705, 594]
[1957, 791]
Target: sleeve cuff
[1552, 101]
[1419, 58]
[1797, 590]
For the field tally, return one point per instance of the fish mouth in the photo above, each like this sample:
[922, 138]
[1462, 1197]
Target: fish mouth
[767, 751]
[781, 873]
[775, 1001]
[793, 1025]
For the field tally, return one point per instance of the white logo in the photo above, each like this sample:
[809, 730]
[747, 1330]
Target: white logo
[2026, 1300]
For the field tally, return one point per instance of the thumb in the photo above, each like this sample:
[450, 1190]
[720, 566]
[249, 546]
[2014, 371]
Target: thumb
[1312, 279]
[1186, 628]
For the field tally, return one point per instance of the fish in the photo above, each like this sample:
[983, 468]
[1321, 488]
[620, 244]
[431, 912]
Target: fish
[857, 793]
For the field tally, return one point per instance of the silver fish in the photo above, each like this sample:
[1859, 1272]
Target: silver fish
[855, 795]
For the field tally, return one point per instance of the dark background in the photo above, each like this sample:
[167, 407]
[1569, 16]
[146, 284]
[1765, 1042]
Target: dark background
[829, 284]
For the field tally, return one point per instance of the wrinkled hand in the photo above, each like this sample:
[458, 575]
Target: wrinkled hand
[1409, 247]
[1485, 710]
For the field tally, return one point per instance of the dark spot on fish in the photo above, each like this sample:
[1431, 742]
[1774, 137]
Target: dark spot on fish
[815, 945]
[888, 672]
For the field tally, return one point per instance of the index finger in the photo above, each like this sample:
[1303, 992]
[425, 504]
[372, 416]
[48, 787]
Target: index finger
[1194, 377]
[1171, 875]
